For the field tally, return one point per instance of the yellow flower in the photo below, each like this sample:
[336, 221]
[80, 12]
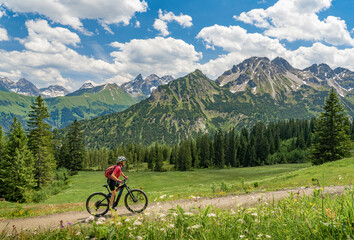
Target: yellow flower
[295, 200]
[321, 189]
[311, 204]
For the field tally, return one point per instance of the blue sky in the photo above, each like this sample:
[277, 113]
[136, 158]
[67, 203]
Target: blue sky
[71, 42]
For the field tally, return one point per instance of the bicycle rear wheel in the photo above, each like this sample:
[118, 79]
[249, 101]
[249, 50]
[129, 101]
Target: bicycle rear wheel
[136, 201]
[97, 204]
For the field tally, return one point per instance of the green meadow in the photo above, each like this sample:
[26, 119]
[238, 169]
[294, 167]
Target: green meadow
[171, 185]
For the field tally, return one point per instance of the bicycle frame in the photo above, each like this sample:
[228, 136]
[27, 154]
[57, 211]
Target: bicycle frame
[120, 193]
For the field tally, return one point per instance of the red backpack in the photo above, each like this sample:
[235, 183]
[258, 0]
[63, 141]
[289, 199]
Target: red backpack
[109, 171]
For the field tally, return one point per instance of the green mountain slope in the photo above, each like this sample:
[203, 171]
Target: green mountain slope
[195, 103]
[108, 98]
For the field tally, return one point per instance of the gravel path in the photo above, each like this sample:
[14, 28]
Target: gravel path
[226, 202]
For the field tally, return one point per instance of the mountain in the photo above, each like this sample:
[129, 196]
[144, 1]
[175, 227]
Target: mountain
[27, 88]
[145, 86]
[53, 91]
[107, 99]
[278, 77]
[255, 90]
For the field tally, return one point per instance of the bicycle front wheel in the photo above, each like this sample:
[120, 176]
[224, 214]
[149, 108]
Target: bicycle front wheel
[97, 204]
[136, 201]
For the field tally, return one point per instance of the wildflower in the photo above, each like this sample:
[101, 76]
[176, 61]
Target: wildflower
[102, 219]
[188, 214]
[161, 215]
[295, 200]
[119, 223]
[256, 221]
[171, 196]
[211, 215]
[194, 226]
[69, 224]
[254, 214]
[242, 236]
[163, 230]
[78, 233]
[170, 225]
[340, 177]
[139, 238]
[127, 220]
[260, 235]
[163, 196]
[99, 222]
[321, 189]
[90, 218]
[267, 236]
[137, 223]
[175, 214]
[311, 203]
[232, 212]
[147, 214]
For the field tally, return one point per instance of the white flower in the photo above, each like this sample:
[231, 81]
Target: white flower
[232, 212]
[99, 222]
[78, 233]
[170, 225]
[267, 236]
[211, 215]
[119, 223]
[127, 220]
[139, 238]
[102, 219]
[242, 236]
[260, 235]
[194, 226]
[192, 196]
[163, 230]
[163, 196]
[90, 218]
[240, 220]
[174, 214]
[171, 196]
[257, 221]
[254, 214]
[146, 213]
[188, 214]
[161, 215]
[137, 223]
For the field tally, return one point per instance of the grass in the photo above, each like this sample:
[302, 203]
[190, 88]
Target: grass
[310, 217]
[202, 182]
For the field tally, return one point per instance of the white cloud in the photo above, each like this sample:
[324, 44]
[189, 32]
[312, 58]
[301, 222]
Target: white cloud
[240, 45]
[3, 35]
[158, 55]
[298, 19]
[137, 24]
[165, 17]
[71, 12]
[43, 38]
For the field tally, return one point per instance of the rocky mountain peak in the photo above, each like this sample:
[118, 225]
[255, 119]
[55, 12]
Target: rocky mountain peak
[54, 91]
[86, 86]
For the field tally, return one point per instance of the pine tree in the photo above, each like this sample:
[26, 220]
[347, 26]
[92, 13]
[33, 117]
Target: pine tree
[331, 141]
[219, 159]
[17, 166]
[76, 149]
[231, 150]
[41, 142]
[159, 158]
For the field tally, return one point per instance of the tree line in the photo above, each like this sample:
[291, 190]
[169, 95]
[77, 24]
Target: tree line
[326, 138]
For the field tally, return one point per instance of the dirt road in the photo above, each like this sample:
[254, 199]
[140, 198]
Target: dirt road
[226, 202]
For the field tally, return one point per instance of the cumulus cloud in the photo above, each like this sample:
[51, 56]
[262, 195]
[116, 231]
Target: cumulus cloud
[298, 20]
[3, 35]
[165, 17]
[158, 55]
[239, 45]
[43, 38]
[71, 12]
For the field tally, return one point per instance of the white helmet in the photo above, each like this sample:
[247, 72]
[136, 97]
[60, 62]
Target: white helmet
[121, 159]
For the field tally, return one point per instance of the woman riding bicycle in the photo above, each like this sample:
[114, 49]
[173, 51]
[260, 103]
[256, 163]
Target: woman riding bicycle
[114, 181]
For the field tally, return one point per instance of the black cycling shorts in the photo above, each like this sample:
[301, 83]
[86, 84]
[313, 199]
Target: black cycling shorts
[112, 184]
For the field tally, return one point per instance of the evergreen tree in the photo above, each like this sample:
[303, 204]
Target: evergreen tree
[159, 158]
[17, 166]
[331, 141]
[41, 142]
[76, 149]
[185, 156]
[204, 152]
[231, 150]
[219, 159]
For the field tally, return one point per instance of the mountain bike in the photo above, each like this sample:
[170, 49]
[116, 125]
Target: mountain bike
[136, 201]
